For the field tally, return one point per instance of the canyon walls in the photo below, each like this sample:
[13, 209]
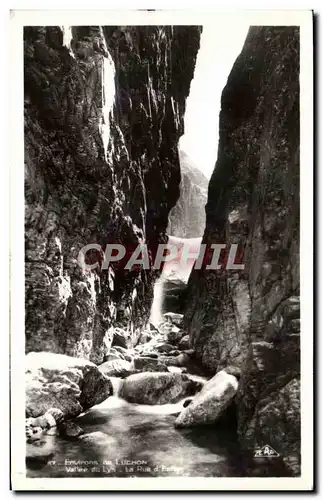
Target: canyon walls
[104, 110]
[249, 318]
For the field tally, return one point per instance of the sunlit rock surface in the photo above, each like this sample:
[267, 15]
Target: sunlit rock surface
[250, 318]
[104, 110]
[71, 385]
[209, 404]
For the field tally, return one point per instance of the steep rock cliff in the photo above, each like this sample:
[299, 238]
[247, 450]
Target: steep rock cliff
[187, 218]
[250, 317]
[104, 111]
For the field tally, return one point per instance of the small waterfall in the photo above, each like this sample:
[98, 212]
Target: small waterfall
[108, 95]
[116, 385]
[107, 82]
[174, 270]
[156, 308]
[67, 38]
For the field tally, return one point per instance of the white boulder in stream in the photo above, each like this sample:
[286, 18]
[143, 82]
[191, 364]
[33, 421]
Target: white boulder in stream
[158, 388]
[69, 384]
[207, 406]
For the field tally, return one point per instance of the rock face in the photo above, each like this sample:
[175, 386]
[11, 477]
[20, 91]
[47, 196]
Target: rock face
[250, 318]
[269, 399]
[104, 111]
[209, 404]
[187, 218]
[117, 368]
[158, 388]
[71, 385]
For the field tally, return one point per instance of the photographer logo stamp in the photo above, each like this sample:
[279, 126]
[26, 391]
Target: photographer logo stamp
[266, 451]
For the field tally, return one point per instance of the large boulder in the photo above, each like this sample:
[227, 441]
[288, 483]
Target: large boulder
[158, 388]
[117, 368]
[69, 384]
[211, 402]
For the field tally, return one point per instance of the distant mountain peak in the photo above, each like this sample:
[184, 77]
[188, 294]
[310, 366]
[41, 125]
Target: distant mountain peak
[188, 165]
[187, 218]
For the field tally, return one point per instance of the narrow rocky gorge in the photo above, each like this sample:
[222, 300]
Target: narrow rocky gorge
[104, 111]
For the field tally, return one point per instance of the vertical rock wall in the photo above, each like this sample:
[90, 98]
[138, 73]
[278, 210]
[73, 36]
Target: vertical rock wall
[104, 110]
[250, 318]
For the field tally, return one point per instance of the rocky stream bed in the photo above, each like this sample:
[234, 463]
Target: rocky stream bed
[146, 411]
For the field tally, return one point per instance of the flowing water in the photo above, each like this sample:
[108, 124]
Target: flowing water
[130, 440]
[135, 441]
[178, 268]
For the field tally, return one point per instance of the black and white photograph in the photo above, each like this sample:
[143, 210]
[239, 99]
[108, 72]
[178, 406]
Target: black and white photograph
[158, 333]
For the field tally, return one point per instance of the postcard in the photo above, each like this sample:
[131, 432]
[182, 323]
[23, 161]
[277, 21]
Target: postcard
[161, 250]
